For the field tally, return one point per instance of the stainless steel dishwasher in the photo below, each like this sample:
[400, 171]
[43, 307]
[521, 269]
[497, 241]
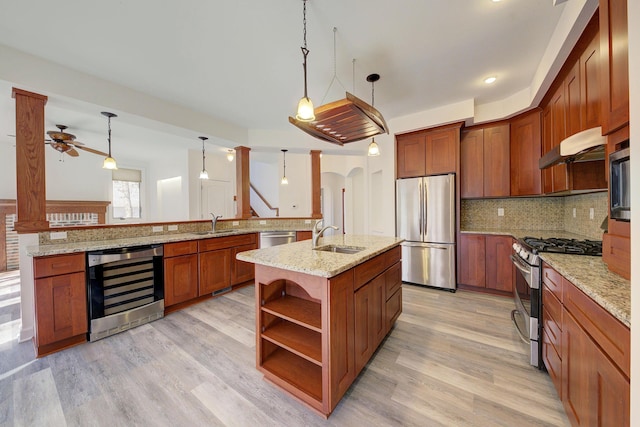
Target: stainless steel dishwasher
[275, 238]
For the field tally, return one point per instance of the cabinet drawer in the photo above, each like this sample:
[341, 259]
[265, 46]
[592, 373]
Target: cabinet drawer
[369, 269]
[553, 362]
[393, 279]
[552, 320]
[58, 264]
[392, 256]
[180, 248]
[608, 332]
[393, 308]
[226, 242]
[553, 280]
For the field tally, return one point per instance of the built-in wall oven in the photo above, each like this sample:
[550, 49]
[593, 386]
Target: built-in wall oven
[125, 288]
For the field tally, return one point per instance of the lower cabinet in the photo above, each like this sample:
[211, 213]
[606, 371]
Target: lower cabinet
[589, 361]
[215, 271]
[60, 302]
[484, 262]
[316, 334]
[202, 267]
[180, 272]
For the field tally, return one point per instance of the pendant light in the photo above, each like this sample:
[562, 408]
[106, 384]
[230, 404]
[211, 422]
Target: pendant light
[305, 106]
[203, 172]
[284, 180]
[230, 155]
[373, 147]
[109, 162]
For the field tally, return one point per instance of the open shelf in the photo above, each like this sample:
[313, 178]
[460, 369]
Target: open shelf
[297, 310]
[297, 339]
[300, 373]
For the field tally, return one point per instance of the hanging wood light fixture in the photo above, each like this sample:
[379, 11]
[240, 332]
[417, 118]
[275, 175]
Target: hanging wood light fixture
[347, 120]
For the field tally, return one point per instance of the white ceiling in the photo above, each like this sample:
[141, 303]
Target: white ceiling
[240, 60]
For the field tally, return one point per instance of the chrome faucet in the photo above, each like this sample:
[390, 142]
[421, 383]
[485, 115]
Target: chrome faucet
[318, 230]
[214, 221]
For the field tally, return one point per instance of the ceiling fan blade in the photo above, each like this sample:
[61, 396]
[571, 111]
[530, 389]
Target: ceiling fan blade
[91, 150]
[72, 152]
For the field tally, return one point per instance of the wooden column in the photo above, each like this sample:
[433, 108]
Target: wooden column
[30, 162]
[242, 182]
[316, 211]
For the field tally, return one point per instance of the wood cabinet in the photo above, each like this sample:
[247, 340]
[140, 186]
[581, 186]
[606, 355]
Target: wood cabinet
[316, 334]
[180, 272]
[303, 235]
[60, 302]
[574, 105]
[484, 162]
[471, 263]
[215, 271]
[484, 262]
[614, 64]
[499, 270]
[587, 354]
[199, 268]
[428, 152]
[525, 151]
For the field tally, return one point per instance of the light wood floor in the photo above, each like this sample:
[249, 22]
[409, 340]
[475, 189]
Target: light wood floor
[451, 360]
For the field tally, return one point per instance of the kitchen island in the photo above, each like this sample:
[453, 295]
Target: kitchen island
[321, 314]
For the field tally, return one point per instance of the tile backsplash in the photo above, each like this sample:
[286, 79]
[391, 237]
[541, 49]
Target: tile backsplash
[537, 213]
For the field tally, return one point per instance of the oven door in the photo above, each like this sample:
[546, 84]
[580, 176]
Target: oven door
[526, 295]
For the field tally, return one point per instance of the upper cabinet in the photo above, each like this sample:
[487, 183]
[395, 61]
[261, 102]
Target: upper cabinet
[572, 105]
[614, 64]
[484, 162]
[428, 152]
[525, 151]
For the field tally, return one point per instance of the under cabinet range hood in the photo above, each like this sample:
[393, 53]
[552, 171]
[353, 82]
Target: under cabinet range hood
[584, 146]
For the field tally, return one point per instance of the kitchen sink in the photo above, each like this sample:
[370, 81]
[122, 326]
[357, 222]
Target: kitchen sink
[204, 233]
[339, 249]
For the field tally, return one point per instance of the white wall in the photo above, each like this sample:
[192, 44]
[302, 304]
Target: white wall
[332, 184]
[295, 198]
[634, 107]
[160, 157]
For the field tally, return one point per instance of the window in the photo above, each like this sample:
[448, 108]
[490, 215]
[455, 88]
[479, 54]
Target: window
[126, 193]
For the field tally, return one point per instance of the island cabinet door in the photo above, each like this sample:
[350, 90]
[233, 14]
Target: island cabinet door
[363, 328]
[180, 279]
[340, 339]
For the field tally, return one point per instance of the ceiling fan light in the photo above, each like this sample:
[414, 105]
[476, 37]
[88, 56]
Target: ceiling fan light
[109, 163]
[374, 150]
[305, 110]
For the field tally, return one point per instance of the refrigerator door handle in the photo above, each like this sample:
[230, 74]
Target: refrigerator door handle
[427, 245]
[425, 196]
[421, 209]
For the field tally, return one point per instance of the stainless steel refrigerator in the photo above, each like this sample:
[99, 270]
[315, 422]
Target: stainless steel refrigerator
[425, 218]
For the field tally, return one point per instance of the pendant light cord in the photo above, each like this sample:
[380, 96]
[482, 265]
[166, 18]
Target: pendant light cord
[304, 49]
[335, 73]
[109, 134]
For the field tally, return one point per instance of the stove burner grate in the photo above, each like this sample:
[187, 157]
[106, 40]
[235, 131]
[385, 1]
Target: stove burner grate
[568, 246]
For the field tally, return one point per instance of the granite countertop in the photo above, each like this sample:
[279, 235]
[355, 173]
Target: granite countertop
[301, 258]
[589, 273]
[96, 245]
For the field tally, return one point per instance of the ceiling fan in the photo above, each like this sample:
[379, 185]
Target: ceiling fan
[64, 142]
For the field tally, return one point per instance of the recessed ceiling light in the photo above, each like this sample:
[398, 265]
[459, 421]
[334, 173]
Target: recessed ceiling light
[490, 80]
[495, 1]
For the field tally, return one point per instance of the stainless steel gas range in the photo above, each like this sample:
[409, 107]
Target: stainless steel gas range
[527, 316]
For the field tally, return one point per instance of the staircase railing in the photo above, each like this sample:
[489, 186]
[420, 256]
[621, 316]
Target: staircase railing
[261, 207]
